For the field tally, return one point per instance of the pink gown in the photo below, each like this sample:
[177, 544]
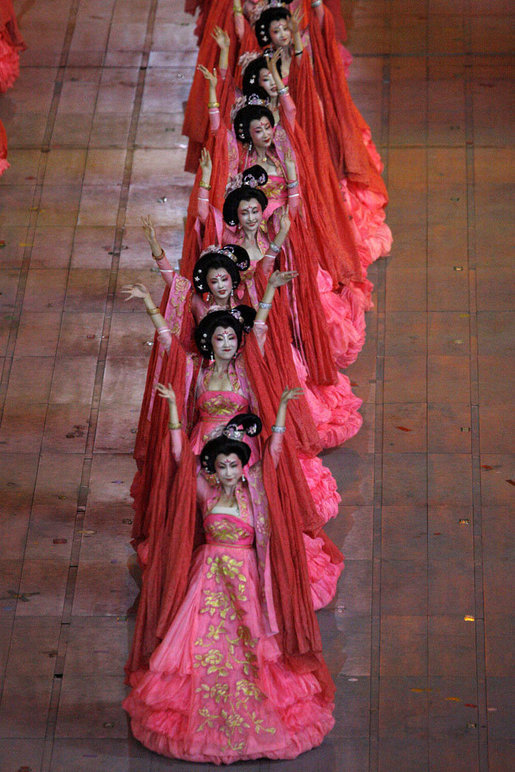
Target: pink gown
[216, 689]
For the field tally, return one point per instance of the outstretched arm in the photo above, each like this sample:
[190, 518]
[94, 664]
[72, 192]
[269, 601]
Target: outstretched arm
[295, 25]
[277, 279]
[223, 42]
[279, 428]
[292, 182]
[140, 291]
[212, 105]
[239, 26]
[206, 166]
[158, 253]
[284, 94]
[275, 245]
[174, 424]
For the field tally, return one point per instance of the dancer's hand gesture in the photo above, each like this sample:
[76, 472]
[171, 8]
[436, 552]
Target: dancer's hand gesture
[166, 392]
[212, 77]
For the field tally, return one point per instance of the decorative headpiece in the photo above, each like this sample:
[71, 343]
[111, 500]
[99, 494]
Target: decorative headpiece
[229, 439]
[241, 188]
[240, 318]
[243, 101]
[233, 257]
[251, 178]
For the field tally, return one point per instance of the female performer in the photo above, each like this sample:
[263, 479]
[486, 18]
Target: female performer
[239, 672]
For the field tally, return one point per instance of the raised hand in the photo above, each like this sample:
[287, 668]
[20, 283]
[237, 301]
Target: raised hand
[289, 394]
[212, 77]
[289, 162]
[206, 164]
[296, 20]
[166, 392]
[271, 61]
[148, 229]
[221, 38]
[280, 278]
[137, 290]
[285, 221]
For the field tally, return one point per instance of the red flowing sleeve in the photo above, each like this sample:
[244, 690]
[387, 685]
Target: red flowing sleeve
[279, 359]
[348, 151]
[299, 635]
[268, 383]
[311, 147]
[167, 520]
[196, 119]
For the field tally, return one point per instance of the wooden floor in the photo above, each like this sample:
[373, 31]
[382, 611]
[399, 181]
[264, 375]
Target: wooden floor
[418, 639]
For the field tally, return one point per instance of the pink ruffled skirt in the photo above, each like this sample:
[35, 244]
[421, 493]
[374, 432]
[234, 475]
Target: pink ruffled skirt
[217, 689]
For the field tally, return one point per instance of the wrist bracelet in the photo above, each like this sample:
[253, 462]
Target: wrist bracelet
[284, 90]
[278, 429]
[265, 305]
[237, 11]
[153, 311]
[293, 195]
[274, 248]
[213, 105]
[292, 184]
[298, 53]
[204, 185]
[174, 426]
[316, 3]
[159, 257]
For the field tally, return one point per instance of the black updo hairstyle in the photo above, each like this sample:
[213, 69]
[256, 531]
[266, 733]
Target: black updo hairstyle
[240, 319]
[231, 441]
[233, 257]
[262, 26]
[243, 118]
[251, 177]
[250, 81]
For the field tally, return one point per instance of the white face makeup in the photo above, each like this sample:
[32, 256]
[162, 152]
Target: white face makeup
[220, 284]
[224, 342]
[261, 133]
[250, 215]
[280, 33]
[229, 469]
[267, 83]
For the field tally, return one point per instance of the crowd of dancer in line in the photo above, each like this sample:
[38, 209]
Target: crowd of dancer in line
[245, 384]
[245, 388]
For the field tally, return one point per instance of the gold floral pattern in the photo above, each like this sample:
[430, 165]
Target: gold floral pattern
[176, 299]
[220, 406]
[225, 531]
[230, 698]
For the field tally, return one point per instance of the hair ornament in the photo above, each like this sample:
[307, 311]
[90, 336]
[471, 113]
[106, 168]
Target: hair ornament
[229, 439]
[233, 257]
[244, 101]
[234, 183]
[220, 250]
[251, 178]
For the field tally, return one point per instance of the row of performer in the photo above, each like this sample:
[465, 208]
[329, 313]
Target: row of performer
[245, 384]
[245, 388]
